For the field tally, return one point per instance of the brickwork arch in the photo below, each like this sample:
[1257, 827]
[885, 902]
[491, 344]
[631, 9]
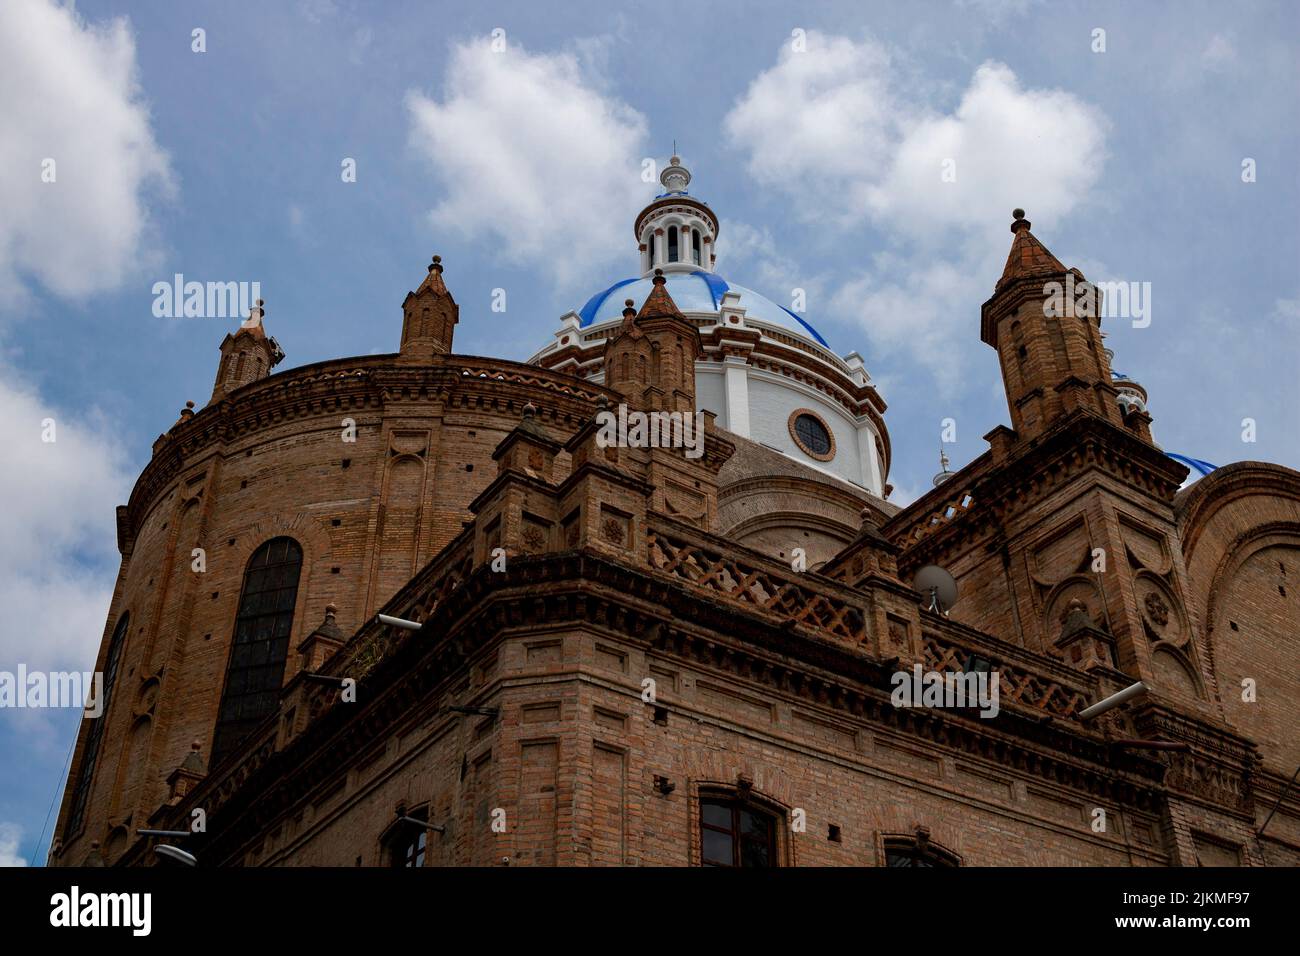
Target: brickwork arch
[316, 554]
[1251, 610]
[742, 788]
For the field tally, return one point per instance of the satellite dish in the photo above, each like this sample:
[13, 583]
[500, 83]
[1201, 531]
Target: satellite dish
[938, 586]
[175, 853]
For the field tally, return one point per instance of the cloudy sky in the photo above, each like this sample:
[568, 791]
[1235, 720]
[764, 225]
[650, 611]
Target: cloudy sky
[820, 138]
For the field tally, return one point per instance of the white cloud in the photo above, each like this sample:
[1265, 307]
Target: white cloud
[10, 834]
[360, 44]
[71, 95]
[819, 123]
[840, 131]
[836, 129]
[533, 155]
[920, 306]
[998, 10]
[904, 494]
[748, 255]
[317, 11]
[1220, 53]
[57, 556]
[1040, 149]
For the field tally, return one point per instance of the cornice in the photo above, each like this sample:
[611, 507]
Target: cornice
[665, 205]
[342, 387]
[647, 609]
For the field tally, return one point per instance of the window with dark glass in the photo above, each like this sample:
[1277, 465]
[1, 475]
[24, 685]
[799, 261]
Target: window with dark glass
[733, 833]
[672, 243]
[86, 773]
[912, 853]
[407, 845]
[813, 435]
[261, 644]
[695, 246]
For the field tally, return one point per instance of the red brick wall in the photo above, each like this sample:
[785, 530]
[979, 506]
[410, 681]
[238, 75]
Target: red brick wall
[575, 752]
[363, 533]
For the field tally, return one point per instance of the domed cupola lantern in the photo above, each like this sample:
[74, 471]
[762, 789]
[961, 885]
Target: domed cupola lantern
[676, 232]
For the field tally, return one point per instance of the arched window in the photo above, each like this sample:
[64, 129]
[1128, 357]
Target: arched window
[408, 843]
[261, 643]
[695, 246]
[910, 851]
[672, 243]
[736, 833]
[86, 774]
[650, 250]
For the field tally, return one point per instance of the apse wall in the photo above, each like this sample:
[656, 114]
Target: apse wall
[271, 461]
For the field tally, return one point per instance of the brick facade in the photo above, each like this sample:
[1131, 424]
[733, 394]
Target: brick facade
[647, 644]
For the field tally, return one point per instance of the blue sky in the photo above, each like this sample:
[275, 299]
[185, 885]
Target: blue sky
[522, 169]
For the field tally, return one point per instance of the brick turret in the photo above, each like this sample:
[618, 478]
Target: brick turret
[247, 355]
[651, 359]
[1042, 319]
[429, 317]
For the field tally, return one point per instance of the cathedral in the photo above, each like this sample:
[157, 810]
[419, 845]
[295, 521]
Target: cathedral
[416, 608]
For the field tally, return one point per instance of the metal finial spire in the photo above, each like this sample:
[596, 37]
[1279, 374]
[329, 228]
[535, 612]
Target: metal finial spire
[945, 474]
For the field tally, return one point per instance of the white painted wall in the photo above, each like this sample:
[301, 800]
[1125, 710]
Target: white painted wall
[710, 392]
[771, 401]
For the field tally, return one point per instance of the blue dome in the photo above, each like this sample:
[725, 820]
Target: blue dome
[1204, 467]
[697, 291]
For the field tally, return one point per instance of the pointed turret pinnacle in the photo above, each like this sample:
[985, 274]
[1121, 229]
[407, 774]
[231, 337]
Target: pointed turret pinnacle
[329, 626]
[433, 281]
[629, 326]
[1028, 256]
[529, 425]
[194, 759]
[253, 324]
[659, 304]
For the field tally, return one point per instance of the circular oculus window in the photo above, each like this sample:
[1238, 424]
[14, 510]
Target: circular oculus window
[811, 433]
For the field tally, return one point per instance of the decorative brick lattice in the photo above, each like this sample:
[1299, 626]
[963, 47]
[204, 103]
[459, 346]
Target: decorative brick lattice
[1017, 686]
[952, 509]
[737, 581]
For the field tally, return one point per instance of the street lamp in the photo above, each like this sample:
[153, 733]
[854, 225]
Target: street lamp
[1114, 700]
